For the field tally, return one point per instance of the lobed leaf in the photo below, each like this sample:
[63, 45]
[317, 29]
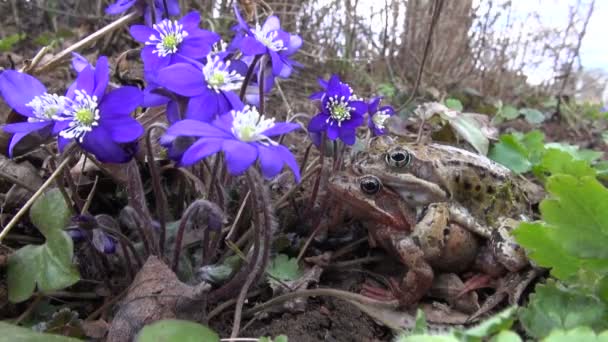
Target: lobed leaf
[553, 306]
[174, 330]
[47, 266]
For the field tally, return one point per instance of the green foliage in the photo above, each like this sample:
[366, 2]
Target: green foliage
[582, 334]
[48, 266]
[454, 104]
[493, 326]
[517, 151]
[9, 332]
[508, 112]
[7, 43]
[284, 268]
[387, 89]
[533, 116]
[528, 152]
[174, 330]
[574, 232]
[553, 306]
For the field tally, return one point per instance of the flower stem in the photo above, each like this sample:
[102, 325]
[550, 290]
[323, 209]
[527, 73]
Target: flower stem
[166, 9]
[248, 76]
[315, 188]
[34, 197]
[261, 86]
[159, 195]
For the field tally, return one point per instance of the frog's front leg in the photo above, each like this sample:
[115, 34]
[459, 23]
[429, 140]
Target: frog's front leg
[419, 277]
[463, 217]
[504, 247]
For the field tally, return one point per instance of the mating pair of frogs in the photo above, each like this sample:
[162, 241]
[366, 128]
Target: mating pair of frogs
[429, 205]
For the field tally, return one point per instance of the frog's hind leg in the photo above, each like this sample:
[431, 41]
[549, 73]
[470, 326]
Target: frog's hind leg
[419, 277]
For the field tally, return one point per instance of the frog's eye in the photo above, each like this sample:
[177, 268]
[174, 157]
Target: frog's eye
[370, 184]
[398, 158]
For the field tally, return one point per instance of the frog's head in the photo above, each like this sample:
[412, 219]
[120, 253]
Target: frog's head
[372, 201]
[409, 169]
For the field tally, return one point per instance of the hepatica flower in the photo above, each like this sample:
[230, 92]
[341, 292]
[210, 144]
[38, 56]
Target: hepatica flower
[210, 86]
[341, 113]
[269, 39]
[100, 122]
[29, 97]
[121, 6]
[169, 41]
[378, 116]
[244, 137]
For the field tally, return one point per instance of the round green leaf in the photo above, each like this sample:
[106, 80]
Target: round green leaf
[50, 212]
[174, 330]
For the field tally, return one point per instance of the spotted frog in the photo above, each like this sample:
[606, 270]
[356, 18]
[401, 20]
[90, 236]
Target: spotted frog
[425, 245]
[479, 194]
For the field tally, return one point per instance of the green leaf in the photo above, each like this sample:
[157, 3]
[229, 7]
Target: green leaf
[174, 330]
[387, 89]
[48, 266]
[579, 334]
[552, 306]
[489, 327]
[9, 332]
[576, 152]
[454, 104]
[533, 116]
[421, 326]
[7, 43]
[284, 268]
[50, 212]
[509, 112]
[469, 130]
[557, 161]
[280, 338]
[510, 152]
[506, 336]
[574, 233]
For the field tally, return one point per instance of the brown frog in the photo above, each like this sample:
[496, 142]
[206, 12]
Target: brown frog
[479, 194]
[422, 245]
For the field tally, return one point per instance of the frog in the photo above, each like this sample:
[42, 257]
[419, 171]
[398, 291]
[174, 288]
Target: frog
[480, 195]
[424, 245]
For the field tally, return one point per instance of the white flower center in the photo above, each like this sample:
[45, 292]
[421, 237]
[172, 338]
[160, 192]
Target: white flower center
[84, 114]
[219, 77]
[248, 125]
[269, 39]
[380, 118]
[170, 35]
[46, 106]
[339, 110]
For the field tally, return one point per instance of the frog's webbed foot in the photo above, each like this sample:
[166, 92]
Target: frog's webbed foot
[463, 217]
[512, 286]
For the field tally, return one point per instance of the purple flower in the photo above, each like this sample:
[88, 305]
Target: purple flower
[271, 40]
[169, 41]
[209, 86]
[244, 136]
[86, 227]
[378, 116]
[28, 97]
[341, 113]
[100, 122]
[121, 6]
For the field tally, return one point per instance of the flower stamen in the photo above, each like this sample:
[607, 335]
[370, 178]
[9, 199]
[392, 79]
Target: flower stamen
[339, 110]
[218, 76]
[46, 106]
[170, 35]
[269, 39]
[84, 115]
[380, 118]
[248, 125]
